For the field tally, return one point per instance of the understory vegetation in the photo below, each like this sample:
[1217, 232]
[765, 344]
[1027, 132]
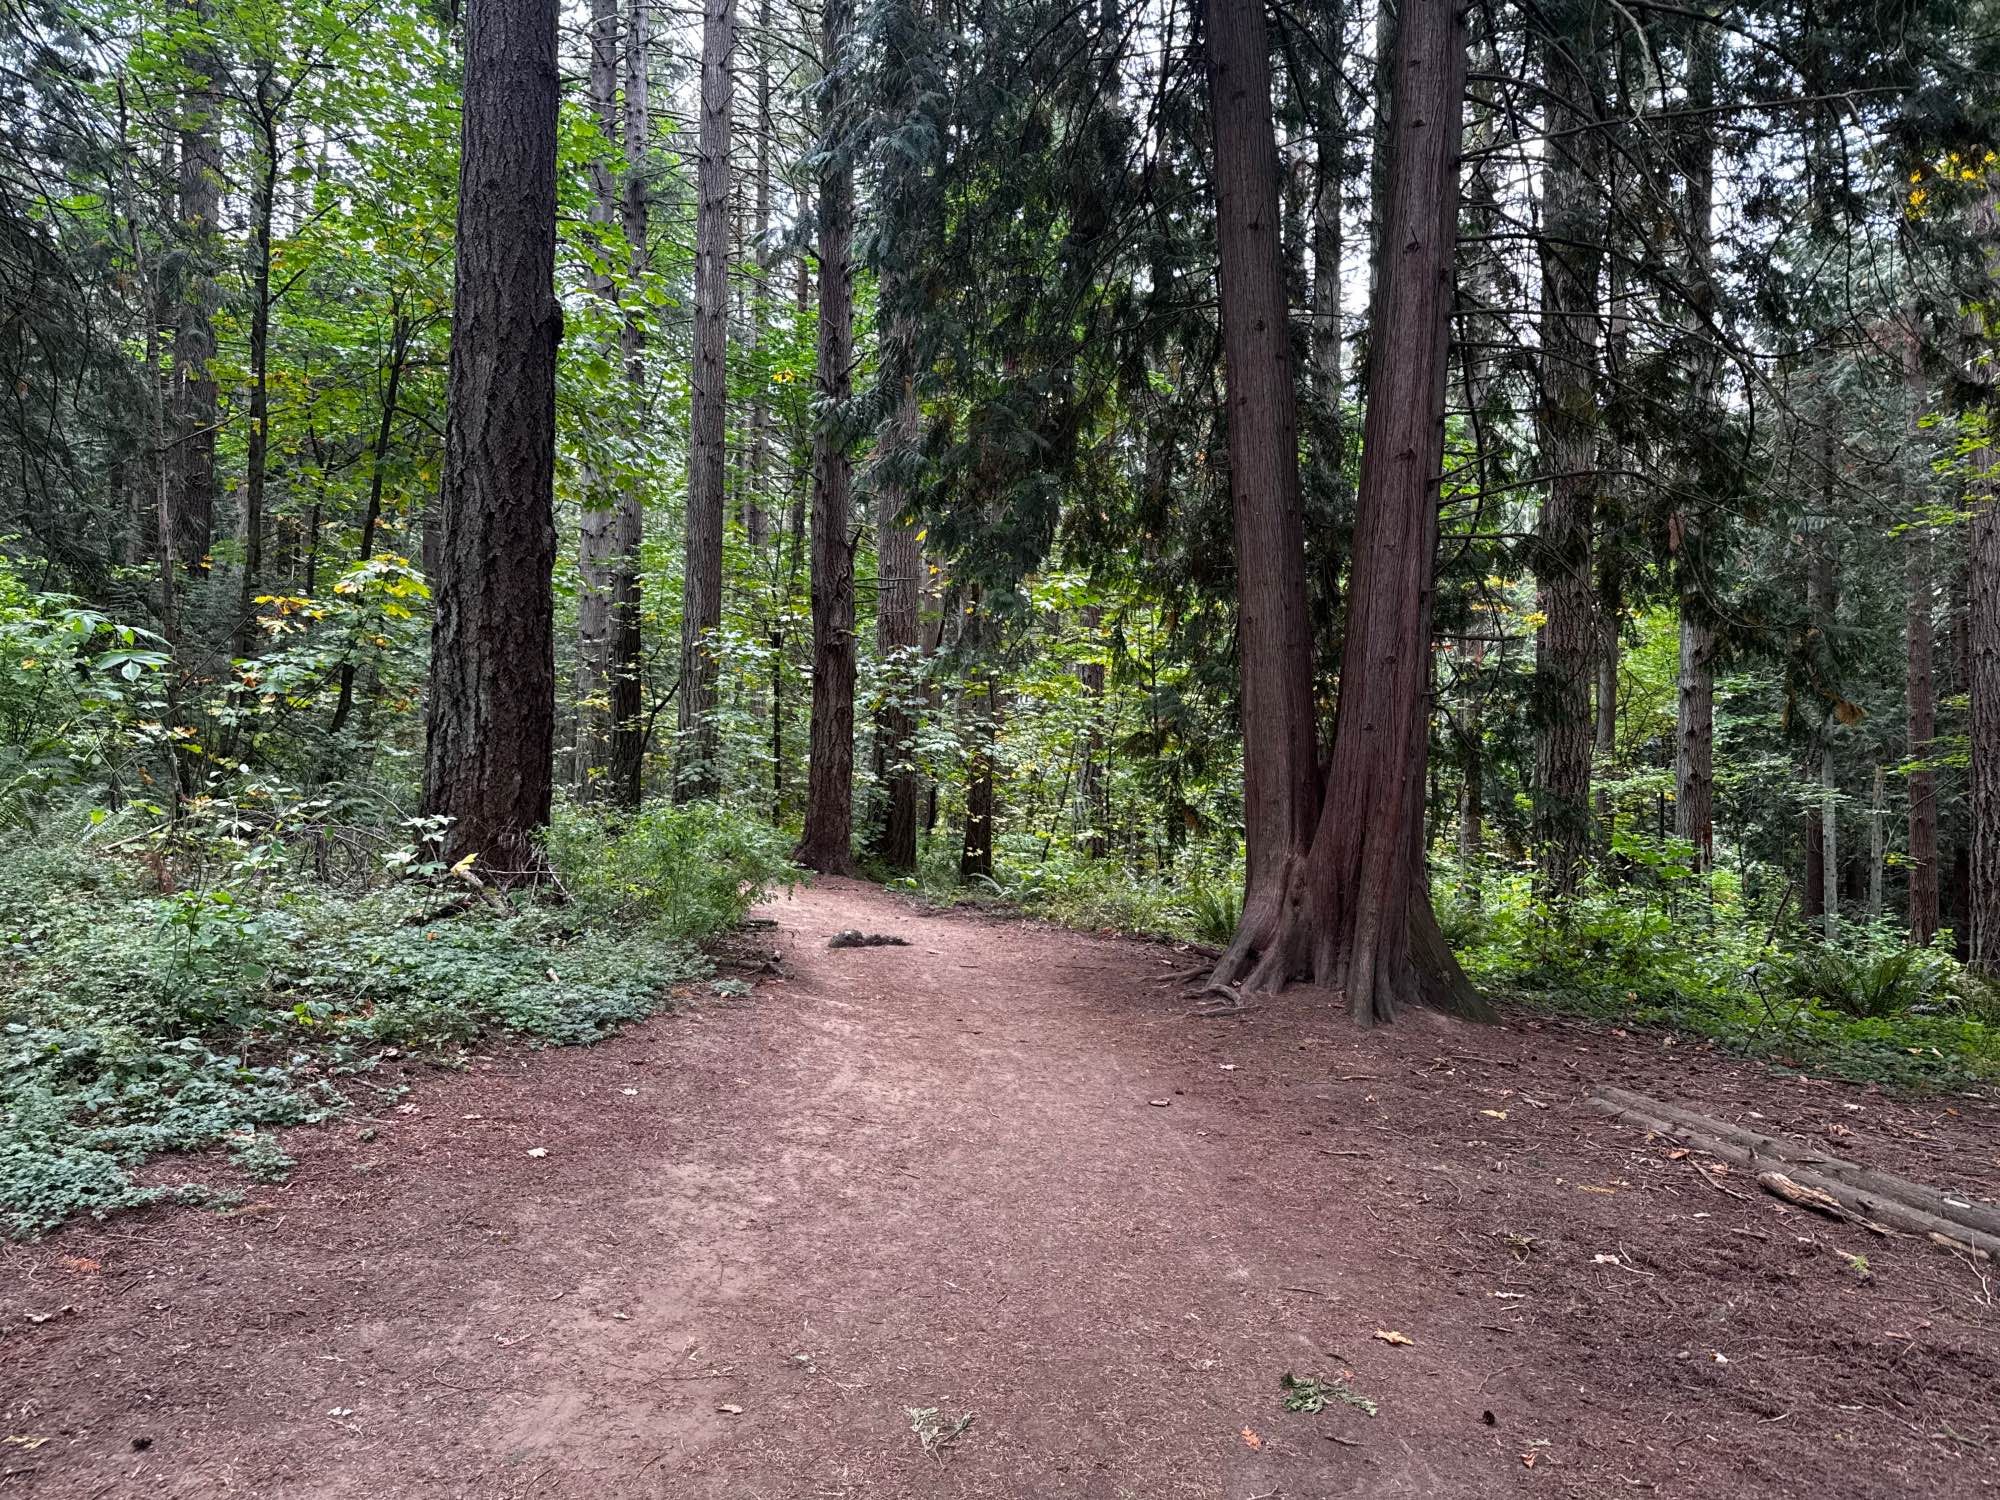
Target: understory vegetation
[165, 989]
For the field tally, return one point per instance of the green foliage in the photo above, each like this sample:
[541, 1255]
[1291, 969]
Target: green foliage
[680, 872]
[1667, 947]
[1310, 1393]
[136, 1022]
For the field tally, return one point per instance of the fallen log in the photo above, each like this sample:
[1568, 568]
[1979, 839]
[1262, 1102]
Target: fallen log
[1946, 1205]
[1724, 1142]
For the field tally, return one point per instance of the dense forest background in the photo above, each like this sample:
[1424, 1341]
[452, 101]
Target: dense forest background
[972, 426]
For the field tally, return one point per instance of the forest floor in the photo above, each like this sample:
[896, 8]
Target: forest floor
[1002, 1172]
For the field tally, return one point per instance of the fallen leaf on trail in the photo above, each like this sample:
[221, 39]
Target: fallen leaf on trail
[731, 1408]
[633, 1092]
[82, 1263]
[1228, 1067]
[1159, 1103]
[27, 1442]
[1390, 1336]
[1494, 1114]
[622, 1317]
[341, 1411]
[1606, 1260]
[1251, 1440]
[40, 1317]
[1679, 1153]
[539, 1151]
[1527, 1460]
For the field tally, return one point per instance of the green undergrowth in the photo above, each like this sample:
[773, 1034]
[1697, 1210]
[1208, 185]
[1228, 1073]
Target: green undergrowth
[136, 1022]
[1193, 900]
[1689, 954]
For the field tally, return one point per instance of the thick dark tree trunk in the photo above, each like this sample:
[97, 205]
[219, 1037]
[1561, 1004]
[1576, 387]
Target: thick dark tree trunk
[827, 842]
[196, 406]
[1274, 627]
[1330, 163]
[1983, 641]
[696, 769]
[1566, 424]
[1356, 909]
[491, 714]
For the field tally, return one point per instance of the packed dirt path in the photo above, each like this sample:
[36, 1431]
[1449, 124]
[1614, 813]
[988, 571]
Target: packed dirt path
[1002, 1172]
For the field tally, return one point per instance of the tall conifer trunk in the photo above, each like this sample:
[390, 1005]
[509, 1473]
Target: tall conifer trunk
[596, 559]
[196, 407]
[827, 842]
[628, 529]
[1273, 629]
[491, 712]
[1694, 712]
[1356, 909]
[1983, 632]
[1566, 424]
[696, 773]
[1920, 686]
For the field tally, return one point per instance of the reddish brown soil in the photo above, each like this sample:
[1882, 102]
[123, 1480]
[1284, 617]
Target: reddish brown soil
[933, 1176]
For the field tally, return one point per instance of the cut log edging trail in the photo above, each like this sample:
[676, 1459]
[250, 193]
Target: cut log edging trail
[1955, 1223]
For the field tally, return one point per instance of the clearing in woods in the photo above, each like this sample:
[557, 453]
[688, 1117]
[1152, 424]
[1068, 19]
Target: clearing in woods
[780, 1245]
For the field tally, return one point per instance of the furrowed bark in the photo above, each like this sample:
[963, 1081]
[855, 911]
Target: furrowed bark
[1566, 425]
[696, 772]
[491, 712]
[826, 844]
[1274, 629]
[1356, 909]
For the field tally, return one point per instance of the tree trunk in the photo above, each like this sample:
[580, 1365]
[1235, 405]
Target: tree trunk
[1920, 688]
[1094, 783]
[627, 669]
[1694, 735]
[899, 570]
[1821, 600]
[596, 560]
[1983, 631]
[263, 207]
[491, 714]
[1356, 908]
[1330, 153]
[826, 844]
[1566, 423]
[196, 407]
[400, 331]
[1877, 841]
[696, 771]
[1829, 839]
[1274, 629]
[975, 857]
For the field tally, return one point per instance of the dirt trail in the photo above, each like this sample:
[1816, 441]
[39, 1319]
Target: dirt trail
[936, 1176]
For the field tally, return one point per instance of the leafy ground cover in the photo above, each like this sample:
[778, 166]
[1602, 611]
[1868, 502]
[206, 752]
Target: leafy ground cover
[140, 1017]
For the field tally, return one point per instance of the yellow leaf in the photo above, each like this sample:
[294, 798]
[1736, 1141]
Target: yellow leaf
[1494, 1114]
[1251, 1440]
[1390, 1336]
